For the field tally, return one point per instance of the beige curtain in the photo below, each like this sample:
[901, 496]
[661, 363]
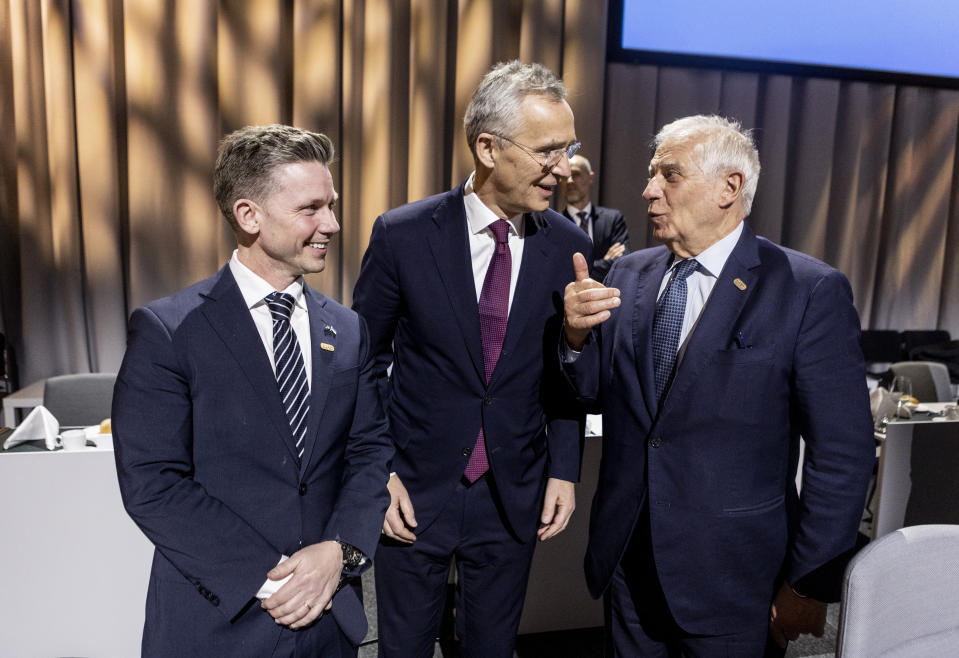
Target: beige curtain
[861, 175]
[112, 109]
[111, 112]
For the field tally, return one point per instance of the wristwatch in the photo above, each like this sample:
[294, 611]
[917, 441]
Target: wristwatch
[353, 558]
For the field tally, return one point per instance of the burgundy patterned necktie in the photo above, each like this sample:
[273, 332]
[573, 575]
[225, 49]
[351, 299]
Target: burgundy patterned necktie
[493, 313]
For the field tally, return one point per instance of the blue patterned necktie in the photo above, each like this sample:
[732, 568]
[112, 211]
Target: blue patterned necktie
[290, 372]
[668, 324]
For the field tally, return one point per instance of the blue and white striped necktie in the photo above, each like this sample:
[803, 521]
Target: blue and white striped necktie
[290, 371]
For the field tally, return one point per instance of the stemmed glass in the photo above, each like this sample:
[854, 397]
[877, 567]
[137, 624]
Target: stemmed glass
[901, 389]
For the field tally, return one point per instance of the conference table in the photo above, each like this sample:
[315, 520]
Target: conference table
[918, 475]
[74, 566]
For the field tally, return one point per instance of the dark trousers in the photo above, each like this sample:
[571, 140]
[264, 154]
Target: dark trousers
[492, 569]
[640, 624]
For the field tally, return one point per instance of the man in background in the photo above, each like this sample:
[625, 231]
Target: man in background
[606, 227]
[711, 355]
[251, 446]
[463, 295]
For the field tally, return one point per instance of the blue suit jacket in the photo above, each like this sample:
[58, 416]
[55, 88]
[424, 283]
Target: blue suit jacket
[609, 227]
[772, 357]
[417, 293]
[207, 465]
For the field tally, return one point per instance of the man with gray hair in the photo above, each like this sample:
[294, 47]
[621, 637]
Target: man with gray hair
[251, 445]
[709, 358]
[462, 292]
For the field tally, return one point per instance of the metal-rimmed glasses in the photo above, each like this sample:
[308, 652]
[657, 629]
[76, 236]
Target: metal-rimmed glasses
[546, 158]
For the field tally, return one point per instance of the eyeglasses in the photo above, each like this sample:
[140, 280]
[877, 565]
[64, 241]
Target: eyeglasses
[546, 158]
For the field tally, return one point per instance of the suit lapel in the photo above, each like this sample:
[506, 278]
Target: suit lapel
[449, 244]
[718, 318]
[230, 318]
[323, 350]
[647, 290]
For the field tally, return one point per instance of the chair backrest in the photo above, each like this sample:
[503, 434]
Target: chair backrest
[81, 399]
[881, 345]
[913, 338]
[901, 595]
[930, 380]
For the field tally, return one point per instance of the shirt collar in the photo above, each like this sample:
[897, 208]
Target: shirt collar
[574, 213]
[479, 216]
[254, 288]
[713, 258]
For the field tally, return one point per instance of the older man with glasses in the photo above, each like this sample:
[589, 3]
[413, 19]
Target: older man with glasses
[462, 292]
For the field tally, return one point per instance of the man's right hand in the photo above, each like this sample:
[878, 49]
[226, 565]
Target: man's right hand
[587, 303]
[399, 516]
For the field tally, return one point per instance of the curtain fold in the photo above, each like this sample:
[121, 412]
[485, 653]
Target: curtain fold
[113, 110]
[861, 175]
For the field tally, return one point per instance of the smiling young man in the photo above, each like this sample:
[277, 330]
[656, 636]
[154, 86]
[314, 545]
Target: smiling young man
[251, 446]
[462, 292]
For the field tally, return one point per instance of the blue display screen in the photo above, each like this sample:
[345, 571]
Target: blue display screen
[917, 37]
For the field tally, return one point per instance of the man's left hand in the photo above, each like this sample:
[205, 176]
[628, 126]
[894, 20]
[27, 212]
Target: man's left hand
[316, 573]
[558, 506]
[791, 615]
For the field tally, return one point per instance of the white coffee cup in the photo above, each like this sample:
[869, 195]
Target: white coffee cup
[73, 439]
[103, 441]
[951, 412]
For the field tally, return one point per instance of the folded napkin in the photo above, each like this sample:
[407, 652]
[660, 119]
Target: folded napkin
[38, 425]
[884, 404]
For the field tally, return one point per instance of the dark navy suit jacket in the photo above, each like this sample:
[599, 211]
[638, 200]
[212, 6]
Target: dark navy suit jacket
[207, 465]
[774, 355]
[416, 291]
[609, 227]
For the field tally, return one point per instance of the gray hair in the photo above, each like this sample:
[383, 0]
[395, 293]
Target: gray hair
[721, 145]
[494, 107]
[247, 158]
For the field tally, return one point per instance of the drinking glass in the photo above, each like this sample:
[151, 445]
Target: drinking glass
[901, 390]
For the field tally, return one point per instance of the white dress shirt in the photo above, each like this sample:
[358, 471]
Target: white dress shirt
[700, 283]
[254, 289]
[574, 213]
[483, 242]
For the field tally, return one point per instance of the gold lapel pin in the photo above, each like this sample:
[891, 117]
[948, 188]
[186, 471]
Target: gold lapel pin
[327, 347]
[739, 284]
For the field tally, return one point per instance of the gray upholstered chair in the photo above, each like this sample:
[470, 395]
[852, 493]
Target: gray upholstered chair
[930, 379]
[901, 596]
[81, 399]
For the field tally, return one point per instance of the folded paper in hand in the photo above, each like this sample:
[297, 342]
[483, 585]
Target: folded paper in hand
[38, 425]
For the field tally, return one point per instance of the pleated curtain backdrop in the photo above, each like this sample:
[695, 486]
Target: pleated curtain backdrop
[112, 109]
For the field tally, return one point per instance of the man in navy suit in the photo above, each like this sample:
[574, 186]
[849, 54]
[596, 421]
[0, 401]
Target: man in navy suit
[251, 445]
[712, 355]
[463, 295]
[606, 226]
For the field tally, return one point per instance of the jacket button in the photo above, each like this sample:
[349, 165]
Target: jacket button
[656, 442]
[488, 400]
[467, 452]
[303, 489]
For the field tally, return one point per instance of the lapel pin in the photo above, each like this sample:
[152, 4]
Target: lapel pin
[739, 284]
[327, 347]
[329, 331]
